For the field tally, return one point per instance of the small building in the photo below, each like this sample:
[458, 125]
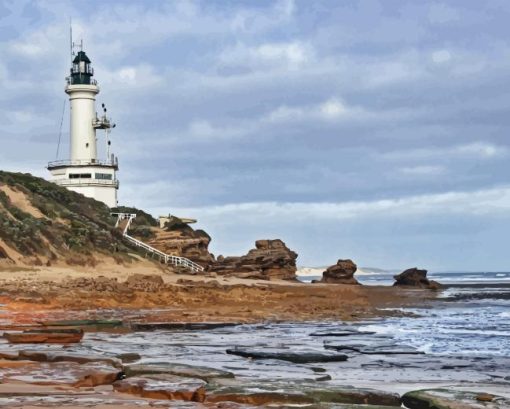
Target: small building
[163, 220]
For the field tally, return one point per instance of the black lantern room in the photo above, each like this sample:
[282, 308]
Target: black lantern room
[81, 71]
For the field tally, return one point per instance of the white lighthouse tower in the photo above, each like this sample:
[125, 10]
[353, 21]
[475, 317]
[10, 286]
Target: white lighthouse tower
[84, 172]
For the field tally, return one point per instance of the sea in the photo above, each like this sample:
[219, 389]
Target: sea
[471, 315]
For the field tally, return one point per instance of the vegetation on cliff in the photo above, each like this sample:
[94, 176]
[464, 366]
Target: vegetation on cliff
[39, 219]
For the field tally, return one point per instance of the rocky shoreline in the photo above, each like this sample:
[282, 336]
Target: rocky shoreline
[212, 342]
[240, 366]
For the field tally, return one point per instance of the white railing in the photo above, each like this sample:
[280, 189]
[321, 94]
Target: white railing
[86, 182]
[167, 258]
[82, 162]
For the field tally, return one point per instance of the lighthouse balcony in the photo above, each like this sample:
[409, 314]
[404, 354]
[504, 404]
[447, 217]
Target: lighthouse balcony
[78, 163]
[87, 182]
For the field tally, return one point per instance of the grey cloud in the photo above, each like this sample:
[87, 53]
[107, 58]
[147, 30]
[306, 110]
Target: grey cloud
[297, 104]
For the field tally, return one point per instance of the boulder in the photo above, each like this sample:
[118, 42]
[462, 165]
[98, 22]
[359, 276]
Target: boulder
[297, 358]
[61, 373]
[414, 277]
[260, 398]
[450, 398]
[340, 273]
[163, 386]
[49, 356]
[297, 393]
[186, 371]
[128, 357]
[270, 259]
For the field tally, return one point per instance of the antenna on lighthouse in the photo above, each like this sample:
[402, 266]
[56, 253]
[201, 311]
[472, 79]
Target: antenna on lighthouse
[71, 45]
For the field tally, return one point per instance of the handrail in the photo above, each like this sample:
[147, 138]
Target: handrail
[169, 259]
[89, 181]
[82, 162]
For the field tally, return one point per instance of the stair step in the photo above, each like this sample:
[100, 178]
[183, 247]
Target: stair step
[124, 221]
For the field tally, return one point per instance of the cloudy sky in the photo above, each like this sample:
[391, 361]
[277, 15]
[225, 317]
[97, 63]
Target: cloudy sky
[371, 130]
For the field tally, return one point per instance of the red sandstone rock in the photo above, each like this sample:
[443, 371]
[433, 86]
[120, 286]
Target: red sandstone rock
[96, 377]
[179, 239]
[340, 273]
[163, 387]
[270, 259]
[61, 373]
[44, 337]
[414, 277]
[48, 356]
[144, 282]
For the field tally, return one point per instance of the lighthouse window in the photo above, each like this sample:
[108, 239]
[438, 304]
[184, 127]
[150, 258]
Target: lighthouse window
[104, 176]
[80, 176]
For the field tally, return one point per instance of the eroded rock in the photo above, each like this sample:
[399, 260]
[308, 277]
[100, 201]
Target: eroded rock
[188, 371]
[414, 277]
[47, 356]
[61, 373]
[297, 358]
[129, 357]
[68, 336]
[163, 386]
[270, 393]
[340, 273]
[180, 239]
[451, 399]
[375, 349]
[271, 259]
[185, 326]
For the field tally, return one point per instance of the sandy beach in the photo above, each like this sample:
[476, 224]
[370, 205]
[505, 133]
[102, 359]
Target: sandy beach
[195, 298]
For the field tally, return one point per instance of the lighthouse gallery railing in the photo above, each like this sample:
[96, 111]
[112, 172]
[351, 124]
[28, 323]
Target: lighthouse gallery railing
[88, 162]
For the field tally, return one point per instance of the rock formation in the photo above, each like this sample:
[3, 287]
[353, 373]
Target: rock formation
[271, 259]
[340, 273]
[162, 386]
[414, 277]
[178, 238]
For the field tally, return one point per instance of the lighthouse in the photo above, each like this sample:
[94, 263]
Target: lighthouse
[84, 172]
